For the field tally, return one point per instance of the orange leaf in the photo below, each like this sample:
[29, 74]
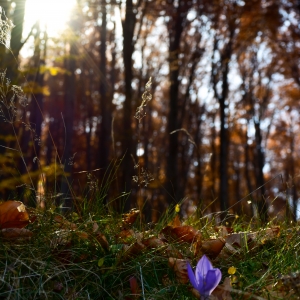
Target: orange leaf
[175, 222]
[213, 247]
[129, 218]
[187, 234]
[13, 214]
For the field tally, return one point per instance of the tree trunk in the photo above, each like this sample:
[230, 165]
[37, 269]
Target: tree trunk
[106, 109]
[260, 181]
[68, 115]
[175, 29]
[127, 135]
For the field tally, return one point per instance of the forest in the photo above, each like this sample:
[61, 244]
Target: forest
[161, 102]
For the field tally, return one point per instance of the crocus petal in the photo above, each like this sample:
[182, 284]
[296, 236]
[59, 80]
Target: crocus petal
[203, 266]
[192, 276]
[213, 277]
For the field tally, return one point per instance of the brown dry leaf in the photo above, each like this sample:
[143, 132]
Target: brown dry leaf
[102, 241]
[212, 247]
[184, 234]
[250, 239]
[13, 214]
[133, 250]
[175, 222]
[65, 224]
[222, 291]
[82, 235]
[180, 268]
[134, 287]
[287, 286]
[16, 234]
[125, 236]
[153, 242]
[129, 218]
[173, 252]
[240, 239]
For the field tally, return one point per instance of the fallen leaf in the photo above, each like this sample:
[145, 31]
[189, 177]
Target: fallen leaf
[16, 234]
[180, 268]
[134, 287]
[64, 223]
[153, 242]
[175, 222]
[129, 218]
[183, 234]
[13, 214]
[102, 241]
[125, 236]
[132, 251]
[251, 239]
[212, 247]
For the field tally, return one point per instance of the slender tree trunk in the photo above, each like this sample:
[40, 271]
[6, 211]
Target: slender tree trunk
[127, 136]
[68, 156]
[106, 113]
[175, 28]
[260, 181]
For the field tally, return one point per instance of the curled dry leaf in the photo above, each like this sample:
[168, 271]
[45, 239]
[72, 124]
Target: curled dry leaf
[13, 214]
[180, 268]
[129, 218]
[183, 234]
[12, 234]
[212, 247]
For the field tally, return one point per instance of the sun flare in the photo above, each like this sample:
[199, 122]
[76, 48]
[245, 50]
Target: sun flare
[52, 14]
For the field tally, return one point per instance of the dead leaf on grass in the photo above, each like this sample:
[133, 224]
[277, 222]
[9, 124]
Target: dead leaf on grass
[180, 268]
[13, 214]
[212, 247]
[12, 234]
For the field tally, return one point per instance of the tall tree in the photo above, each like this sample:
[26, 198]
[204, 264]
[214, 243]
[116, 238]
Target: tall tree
[177, 19]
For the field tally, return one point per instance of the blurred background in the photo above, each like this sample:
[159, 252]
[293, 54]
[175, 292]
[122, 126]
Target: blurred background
[222, 125]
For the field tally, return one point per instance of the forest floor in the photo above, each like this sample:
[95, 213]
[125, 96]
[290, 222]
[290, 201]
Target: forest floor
[105, 255]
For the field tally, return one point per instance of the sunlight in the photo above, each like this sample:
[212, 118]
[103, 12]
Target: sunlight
[53, 14]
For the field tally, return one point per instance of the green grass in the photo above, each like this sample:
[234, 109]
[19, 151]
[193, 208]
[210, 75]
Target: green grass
[60, 262]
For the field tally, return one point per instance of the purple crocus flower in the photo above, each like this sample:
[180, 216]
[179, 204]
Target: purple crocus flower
[206, 278]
